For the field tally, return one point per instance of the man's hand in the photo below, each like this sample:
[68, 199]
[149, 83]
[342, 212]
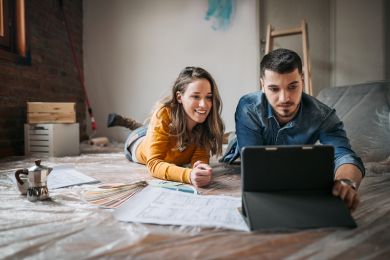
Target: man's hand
[201, 174]
[347, 193]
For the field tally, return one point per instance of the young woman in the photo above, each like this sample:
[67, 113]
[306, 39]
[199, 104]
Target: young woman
[185, 129]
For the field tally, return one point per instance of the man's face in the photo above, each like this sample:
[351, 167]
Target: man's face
[283, 92]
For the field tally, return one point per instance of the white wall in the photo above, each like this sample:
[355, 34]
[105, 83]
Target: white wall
[286, 14]
[346, 37]
[134, 50]
[359, 38]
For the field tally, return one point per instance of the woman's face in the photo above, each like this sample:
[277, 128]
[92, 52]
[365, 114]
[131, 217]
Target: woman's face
[197, 101]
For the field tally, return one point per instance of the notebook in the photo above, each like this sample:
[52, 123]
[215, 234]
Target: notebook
[290, 188]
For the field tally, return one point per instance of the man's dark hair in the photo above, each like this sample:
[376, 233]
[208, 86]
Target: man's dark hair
[281, 61]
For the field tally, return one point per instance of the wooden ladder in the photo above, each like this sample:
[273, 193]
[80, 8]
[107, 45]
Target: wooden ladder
[302, 29]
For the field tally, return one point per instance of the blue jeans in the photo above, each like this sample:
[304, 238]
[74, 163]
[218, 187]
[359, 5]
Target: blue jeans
[132, 138]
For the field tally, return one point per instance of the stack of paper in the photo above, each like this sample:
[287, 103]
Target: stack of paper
[163, 206]
[112, 195]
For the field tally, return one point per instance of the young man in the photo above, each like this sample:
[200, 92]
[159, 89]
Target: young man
[281, 114]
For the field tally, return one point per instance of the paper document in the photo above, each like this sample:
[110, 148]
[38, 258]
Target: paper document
[65, 176]
[162, 206]
[172, 185]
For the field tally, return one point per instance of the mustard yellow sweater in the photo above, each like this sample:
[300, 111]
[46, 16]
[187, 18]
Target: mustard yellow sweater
[160, 154]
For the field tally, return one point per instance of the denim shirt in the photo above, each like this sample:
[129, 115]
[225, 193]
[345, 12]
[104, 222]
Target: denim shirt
[315, 121]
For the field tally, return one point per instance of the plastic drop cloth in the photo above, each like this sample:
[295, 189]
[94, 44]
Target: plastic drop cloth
[66, 227]
[365, 111]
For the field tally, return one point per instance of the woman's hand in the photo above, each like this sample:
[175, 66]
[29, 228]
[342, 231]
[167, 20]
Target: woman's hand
[201, 174]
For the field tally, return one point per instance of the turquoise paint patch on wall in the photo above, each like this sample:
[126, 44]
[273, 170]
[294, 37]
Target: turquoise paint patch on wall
[220, 12]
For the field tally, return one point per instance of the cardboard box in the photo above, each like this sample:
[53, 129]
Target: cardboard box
[51, 112]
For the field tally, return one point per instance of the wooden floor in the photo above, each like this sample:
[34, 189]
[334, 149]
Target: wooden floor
[68, 228]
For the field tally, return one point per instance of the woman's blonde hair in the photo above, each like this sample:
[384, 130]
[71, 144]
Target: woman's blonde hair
[209, 134]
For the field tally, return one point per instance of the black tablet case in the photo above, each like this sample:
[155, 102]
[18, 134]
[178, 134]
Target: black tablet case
[290, 188]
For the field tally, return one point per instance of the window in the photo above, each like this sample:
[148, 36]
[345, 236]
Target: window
[13, 44]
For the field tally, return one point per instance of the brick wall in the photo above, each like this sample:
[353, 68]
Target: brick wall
[52, 75]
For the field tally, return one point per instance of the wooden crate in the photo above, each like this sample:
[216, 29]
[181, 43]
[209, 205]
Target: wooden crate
[51, 139]
[51, 112]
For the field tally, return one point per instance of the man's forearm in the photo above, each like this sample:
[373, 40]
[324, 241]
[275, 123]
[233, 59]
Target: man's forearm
[349, 171]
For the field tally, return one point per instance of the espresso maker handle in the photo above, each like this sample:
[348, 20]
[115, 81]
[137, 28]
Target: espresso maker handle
[18, 172]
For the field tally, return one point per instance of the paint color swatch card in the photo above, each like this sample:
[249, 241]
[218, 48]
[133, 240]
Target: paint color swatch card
[111, 195]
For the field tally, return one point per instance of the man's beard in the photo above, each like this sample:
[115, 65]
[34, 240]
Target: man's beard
[286, 113]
